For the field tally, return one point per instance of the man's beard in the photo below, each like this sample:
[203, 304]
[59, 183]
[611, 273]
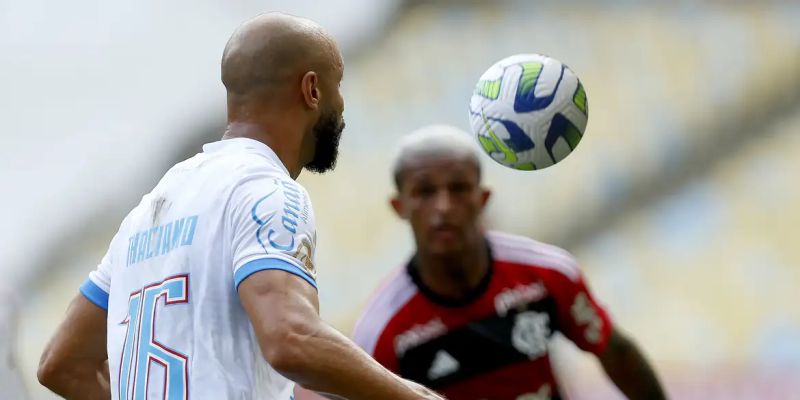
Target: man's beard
[327, 132]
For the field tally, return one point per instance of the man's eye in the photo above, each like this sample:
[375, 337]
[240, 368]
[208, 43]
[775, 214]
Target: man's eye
[426, 190]
[460, 188]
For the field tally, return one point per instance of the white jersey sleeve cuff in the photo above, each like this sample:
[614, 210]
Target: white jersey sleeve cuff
[270, 263]
[95, 294]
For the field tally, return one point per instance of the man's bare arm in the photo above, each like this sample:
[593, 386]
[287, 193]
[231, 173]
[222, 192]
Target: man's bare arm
[284, 311]
[630, 371]
[74, 363]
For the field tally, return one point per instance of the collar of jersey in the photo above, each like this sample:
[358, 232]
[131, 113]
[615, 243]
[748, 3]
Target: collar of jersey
[469, 298]
[234, 144]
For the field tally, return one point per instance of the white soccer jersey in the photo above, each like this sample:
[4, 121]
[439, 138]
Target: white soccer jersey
[176, 328]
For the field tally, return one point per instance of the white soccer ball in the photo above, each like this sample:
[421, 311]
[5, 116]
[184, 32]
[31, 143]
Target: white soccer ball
[528, 111]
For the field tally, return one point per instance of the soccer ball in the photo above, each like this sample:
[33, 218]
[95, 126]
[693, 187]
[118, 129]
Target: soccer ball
[528, 111]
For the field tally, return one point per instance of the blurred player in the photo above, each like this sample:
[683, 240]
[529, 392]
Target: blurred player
[208, 290]
[471, 313]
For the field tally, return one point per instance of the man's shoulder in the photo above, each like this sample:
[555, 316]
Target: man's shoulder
[393, 292]
[241, 171]
[240, 164]
[525, 252]
[386, 302]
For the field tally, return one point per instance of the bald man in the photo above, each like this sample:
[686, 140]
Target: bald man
[208, 290]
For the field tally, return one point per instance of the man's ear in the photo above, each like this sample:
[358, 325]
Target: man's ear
[309, 87]
[397, 206]
[485, 195]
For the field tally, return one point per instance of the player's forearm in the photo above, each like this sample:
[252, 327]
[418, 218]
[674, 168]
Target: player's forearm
[321, 359]
[84, 382]
[630, 371]
[74, 363]
[637, 381]
[284, 312]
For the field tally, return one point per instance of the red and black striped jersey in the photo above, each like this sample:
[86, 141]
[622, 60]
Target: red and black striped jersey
[494, 344]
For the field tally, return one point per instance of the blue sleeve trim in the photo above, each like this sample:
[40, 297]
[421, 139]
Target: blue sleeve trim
[262, 264]
[95, 294]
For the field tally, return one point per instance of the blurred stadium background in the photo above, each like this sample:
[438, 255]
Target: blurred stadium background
[681, 203]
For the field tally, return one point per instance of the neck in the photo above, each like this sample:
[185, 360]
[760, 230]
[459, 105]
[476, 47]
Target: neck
[454, 276]
[287, 151]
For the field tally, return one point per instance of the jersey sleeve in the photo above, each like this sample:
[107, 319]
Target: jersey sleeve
[367, 331]
[580, 316]
[369, 334]
[97, 287]
[273, 228]
[376, 328]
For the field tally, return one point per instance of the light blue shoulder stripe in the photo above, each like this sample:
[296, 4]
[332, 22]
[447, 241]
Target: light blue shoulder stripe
[268, 263]
[95, 294]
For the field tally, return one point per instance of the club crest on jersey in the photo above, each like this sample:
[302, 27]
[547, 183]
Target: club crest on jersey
[530, 333]
[305, 253]
[292, 211]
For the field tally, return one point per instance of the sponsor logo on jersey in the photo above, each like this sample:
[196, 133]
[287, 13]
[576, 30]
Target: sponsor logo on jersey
[418, 335]
[295, 210]
[519, 296]
[443, 364]
[585, 315]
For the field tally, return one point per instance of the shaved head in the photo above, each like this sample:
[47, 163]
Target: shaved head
[282, 75]
[434, 141]
[271, 50]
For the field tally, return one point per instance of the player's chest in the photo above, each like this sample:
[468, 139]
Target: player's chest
[508, 325]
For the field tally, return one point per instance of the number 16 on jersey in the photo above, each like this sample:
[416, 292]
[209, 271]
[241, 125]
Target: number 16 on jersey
[142, 348]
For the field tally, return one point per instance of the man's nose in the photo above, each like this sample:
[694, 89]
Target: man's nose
[443, 201]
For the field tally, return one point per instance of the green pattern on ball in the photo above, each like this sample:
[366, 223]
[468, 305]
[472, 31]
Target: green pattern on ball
[530, 73]
[493, 143]
[572, 135]
[487, 144]
[489, 89]
[529, 166]
[579, 98]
